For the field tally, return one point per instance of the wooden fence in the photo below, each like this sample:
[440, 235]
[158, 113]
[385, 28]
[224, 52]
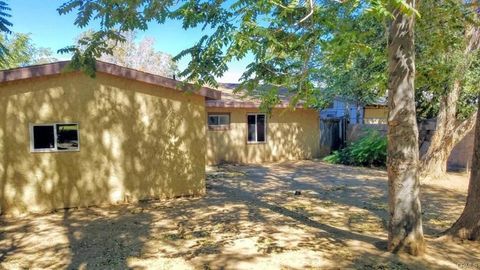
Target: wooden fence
[333, 134]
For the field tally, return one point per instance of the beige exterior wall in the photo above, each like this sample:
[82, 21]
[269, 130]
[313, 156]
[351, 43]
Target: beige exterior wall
[137, 141]
[462, 154]
[375, 115]
[291, 135]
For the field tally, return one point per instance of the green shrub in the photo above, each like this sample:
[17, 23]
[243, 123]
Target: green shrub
[370, 150]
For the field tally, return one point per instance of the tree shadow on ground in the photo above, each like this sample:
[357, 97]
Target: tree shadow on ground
[100, 242]
[12, 243]
[354, 187]
[87, 239]
[250, 218]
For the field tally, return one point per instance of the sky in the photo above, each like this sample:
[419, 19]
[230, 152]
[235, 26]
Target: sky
[49, 29]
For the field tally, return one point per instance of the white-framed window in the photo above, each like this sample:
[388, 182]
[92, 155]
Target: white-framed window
[218, 121]
[57, 137]
[256, 128]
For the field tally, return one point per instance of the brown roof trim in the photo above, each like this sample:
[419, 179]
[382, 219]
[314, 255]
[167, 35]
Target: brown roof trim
[245, 104]
[103, 67]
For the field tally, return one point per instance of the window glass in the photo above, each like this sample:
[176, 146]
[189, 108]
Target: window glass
[43, 137]
[251, 119]
[224, 119]
[218, 121]
[260, 127]
[256, 124]
[54, 137]
[212, 120]
[67, 137]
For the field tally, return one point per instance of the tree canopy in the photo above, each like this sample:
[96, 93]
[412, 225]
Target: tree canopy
[441, 59]
[288, 39]
[5, 25]
[21, 51]
[315, 49]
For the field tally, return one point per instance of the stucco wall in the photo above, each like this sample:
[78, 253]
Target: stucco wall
[375, 115]
[357, 131]
[291, 135]
[137, 141]
[460, 158]
[462, 154]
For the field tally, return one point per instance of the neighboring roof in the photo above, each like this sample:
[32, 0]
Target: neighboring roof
[241, 100]
[55, 68]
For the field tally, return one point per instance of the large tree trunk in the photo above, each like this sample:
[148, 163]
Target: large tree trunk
[405, 233]
[468, 225]
[449, 130]
[435, 161]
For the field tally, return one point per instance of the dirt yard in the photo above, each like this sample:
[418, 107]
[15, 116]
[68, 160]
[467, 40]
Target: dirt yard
[251, 218]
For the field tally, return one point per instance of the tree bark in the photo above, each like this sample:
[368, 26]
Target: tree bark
[449, 130]
[405, 232]
[468, 225]
[434, 163]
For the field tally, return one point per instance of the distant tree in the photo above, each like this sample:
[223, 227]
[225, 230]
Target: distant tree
[22, 52]
[42, 55]
[140, 55]
[19, 50]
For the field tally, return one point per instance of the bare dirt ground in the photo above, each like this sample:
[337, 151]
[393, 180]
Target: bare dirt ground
[249, 219]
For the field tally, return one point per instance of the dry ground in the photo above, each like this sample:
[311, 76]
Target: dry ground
[250, 219]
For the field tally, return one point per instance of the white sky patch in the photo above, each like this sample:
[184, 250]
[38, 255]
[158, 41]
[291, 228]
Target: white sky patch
[231, 76]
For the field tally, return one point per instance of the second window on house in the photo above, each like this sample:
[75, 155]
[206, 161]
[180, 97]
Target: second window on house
[257, 128]
[218, 121]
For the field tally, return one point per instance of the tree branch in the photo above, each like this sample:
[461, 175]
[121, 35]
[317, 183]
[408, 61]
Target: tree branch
[309, 13]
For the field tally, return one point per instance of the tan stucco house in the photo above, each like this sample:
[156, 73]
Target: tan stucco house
[238, 132]
[67, 140]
